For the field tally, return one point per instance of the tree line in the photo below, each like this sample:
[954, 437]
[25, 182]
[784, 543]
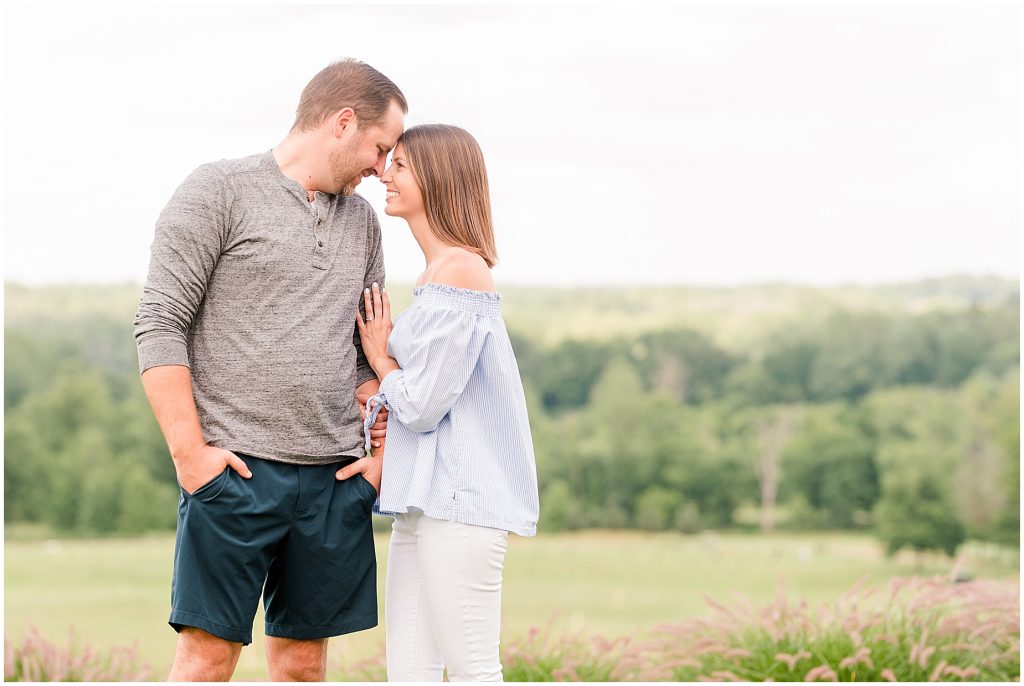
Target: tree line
[907, 425]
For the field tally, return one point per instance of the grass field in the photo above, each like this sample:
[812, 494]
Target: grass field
[115, 592]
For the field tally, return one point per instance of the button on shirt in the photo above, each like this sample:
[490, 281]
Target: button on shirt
[459, 445]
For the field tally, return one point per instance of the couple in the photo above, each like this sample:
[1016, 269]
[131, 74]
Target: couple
[293, 406]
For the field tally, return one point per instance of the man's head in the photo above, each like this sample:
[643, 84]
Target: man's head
[357, 112]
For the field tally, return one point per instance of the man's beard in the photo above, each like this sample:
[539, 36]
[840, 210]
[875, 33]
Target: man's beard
[345, 172]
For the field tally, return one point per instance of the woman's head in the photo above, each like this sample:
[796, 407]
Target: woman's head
[439, 170]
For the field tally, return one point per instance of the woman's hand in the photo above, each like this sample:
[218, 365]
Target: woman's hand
[375, 330]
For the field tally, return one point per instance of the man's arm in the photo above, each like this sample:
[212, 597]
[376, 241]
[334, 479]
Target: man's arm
[190, 236]
[371, 466]
[380, 428]
[169, 390]
[374, 274]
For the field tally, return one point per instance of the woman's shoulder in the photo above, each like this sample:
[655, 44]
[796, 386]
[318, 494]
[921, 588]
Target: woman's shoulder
[461, 268]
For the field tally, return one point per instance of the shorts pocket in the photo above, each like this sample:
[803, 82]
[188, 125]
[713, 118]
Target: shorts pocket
[371, 492]
[210, 490]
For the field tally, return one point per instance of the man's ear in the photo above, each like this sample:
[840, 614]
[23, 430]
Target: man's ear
[343, 120]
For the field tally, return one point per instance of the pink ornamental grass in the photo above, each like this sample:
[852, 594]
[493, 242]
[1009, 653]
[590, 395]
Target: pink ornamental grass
[924, 628]
[545, 656]
[37, 659]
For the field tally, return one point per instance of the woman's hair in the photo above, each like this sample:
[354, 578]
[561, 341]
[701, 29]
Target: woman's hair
[449, 167]
[347, 83]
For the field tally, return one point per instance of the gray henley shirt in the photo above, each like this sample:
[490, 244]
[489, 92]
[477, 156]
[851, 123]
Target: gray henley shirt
[256, 289]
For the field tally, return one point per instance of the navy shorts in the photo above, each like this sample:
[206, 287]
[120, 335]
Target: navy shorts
[293, 533]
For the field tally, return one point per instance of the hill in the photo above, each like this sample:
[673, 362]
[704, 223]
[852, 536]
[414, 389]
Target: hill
[733, 318]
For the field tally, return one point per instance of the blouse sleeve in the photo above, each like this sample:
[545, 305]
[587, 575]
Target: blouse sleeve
[445, 350]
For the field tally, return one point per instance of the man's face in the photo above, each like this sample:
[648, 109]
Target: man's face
[366, 151]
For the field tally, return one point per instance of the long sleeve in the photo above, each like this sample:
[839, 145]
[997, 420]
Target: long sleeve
[374, 273]
[459, 445]
[447, 345]
[190, 235]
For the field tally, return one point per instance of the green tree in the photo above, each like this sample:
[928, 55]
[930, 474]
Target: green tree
[849, 363]
[570, 371]
[683, 364]
[788, 365]
[27, 487]
[560, 509]
[144, 504]
[916, 511]
[615, 445]
[750, 385]
[830, 476]
[99, 501]
[988, 474]
[656, 508]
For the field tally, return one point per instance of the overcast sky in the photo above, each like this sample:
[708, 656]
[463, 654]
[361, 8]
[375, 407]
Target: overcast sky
[699, 144]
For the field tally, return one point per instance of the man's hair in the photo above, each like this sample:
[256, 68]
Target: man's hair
[448, 165]
[347, 83]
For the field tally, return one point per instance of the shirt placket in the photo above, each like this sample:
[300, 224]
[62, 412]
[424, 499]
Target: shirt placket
[321, 235]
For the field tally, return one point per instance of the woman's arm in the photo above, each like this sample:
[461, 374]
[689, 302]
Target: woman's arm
[446, 347]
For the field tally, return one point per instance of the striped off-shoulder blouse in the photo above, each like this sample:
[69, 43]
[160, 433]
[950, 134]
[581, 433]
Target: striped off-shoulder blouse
[459, 445]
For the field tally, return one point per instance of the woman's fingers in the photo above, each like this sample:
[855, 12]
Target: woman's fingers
[378, 306]
[368, 303]
[387, 306]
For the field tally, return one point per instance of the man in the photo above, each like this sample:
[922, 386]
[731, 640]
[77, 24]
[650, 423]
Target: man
[251, 361]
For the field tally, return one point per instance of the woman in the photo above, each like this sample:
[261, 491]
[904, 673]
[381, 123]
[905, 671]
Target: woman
[459, 471]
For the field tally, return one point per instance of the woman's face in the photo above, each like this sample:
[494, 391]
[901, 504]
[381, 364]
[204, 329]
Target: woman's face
[405, 199]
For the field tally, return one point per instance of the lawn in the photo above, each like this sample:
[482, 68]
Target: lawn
[116, 591]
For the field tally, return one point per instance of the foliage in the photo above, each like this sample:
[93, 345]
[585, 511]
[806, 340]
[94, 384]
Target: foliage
[922, 629]
[831, 466]
[645, 408]
[916, 512]
[545, 656]
[917, 629]
[114, 590]
[36, 659]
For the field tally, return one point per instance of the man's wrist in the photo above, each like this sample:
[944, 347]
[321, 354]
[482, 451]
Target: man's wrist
[370, 386]
[185, 451]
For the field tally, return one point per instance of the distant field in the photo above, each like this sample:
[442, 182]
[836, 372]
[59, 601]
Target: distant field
[116, 591]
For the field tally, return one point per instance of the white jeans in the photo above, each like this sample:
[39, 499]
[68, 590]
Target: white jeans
[442, 605]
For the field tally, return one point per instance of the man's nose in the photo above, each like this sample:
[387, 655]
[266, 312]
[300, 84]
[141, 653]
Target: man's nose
[378, 167]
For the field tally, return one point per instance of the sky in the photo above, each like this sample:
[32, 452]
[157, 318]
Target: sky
[706, 144]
